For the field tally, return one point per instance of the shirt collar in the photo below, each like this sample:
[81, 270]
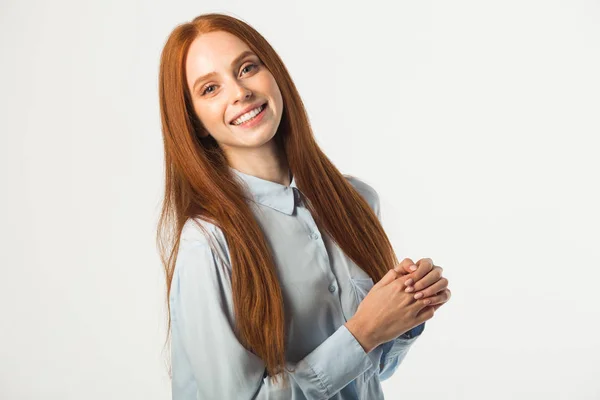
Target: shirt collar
[271, 194]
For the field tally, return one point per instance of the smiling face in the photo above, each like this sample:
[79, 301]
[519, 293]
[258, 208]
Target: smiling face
[238, 81]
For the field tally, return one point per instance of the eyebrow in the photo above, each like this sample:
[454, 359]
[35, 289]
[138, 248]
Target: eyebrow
[210, 74]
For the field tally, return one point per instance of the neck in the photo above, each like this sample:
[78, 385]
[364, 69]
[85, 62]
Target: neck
[266, 163]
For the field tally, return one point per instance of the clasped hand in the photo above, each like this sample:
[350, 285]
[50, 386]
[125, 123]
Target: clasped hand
[425, 280]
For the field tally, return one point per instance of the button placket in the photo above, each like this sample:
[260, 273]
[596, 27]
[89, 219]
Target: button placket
[316, 235]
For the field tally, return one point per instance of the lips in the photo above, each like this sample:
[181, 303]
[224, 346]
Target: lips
[246, 110]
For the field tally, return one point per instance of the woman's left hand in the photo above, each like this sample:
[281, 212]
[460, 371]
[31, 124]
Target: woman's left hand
[426, 281]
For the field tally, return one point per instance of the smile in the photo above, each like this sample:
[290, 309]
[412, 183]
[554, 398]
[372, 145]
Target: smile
[250, 115]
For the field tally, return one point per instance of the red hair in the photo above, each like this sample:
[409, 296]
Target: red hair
[199, 184]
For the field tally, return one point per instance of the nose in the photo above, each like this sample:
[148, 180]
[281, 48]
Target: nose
[241, 93]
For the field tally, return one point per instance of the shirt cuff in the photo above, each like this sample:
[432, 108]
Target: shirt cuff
[414, 332]
[402, 343]
[338, 361]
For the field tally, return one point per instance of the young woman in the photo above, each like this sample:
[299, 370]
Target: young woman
[271, 254]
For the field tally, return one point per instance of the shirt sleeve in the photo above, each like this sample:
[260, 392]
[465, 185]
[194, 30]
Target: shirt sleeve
[202, 332]
[394, 351]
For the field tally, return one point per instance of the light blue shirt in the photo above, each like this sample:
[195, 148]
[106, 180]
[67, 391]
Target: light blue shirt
[321, 288]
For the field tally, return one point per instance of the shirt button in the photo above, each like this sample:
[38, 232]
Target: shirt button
[314, 236]
[332, 288]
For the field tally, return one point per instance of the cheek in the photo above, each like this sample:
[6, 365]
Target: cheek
[268, 83]
[274, 87]
[275, 92]
[210, 114]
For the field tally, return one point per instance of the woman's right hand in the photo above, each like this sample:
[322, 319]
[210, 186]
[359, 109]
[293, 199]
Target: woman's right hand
[387, 312]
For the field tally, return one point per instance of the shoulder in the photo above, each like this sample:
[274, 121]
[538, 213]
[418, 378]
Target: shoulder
[201, 266]
[197, 231]
[365, 190]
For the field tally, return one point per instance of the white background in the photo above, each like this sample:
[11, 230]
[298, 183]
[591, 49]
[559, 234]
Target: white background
[477, 123]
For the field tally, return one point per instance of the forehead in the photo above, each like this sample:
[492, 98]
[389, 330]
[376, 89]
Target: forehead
[212, 51]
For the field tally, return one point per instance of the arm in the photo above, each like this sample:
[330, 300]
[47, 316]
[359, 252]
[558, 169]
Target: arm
[392, 352]
[202, 321]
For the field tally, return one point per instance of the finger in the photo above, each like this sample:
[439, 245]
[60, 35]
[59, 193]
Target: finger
[424, 265]
[436, 306]
[425, 313]
[404, 266]
[432, 290]
[389, 277]
[431, 284]
[432, 277]
[440, 298]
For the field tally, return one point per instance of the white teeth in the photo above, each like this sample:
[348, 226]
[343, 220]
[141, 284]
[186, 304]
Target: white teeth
[249, 115]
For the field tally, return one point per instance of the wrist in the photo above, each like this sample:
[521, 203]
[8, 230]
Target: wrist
[361, 333]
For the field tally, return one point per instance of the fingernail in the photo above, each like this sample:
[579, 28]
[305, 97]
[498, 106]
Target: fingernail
[413, 267]
[409, 289]
[409, 282]
[418, 295]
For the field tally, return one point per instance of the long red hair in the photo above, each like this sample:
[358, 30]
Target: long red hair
[199, 184]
